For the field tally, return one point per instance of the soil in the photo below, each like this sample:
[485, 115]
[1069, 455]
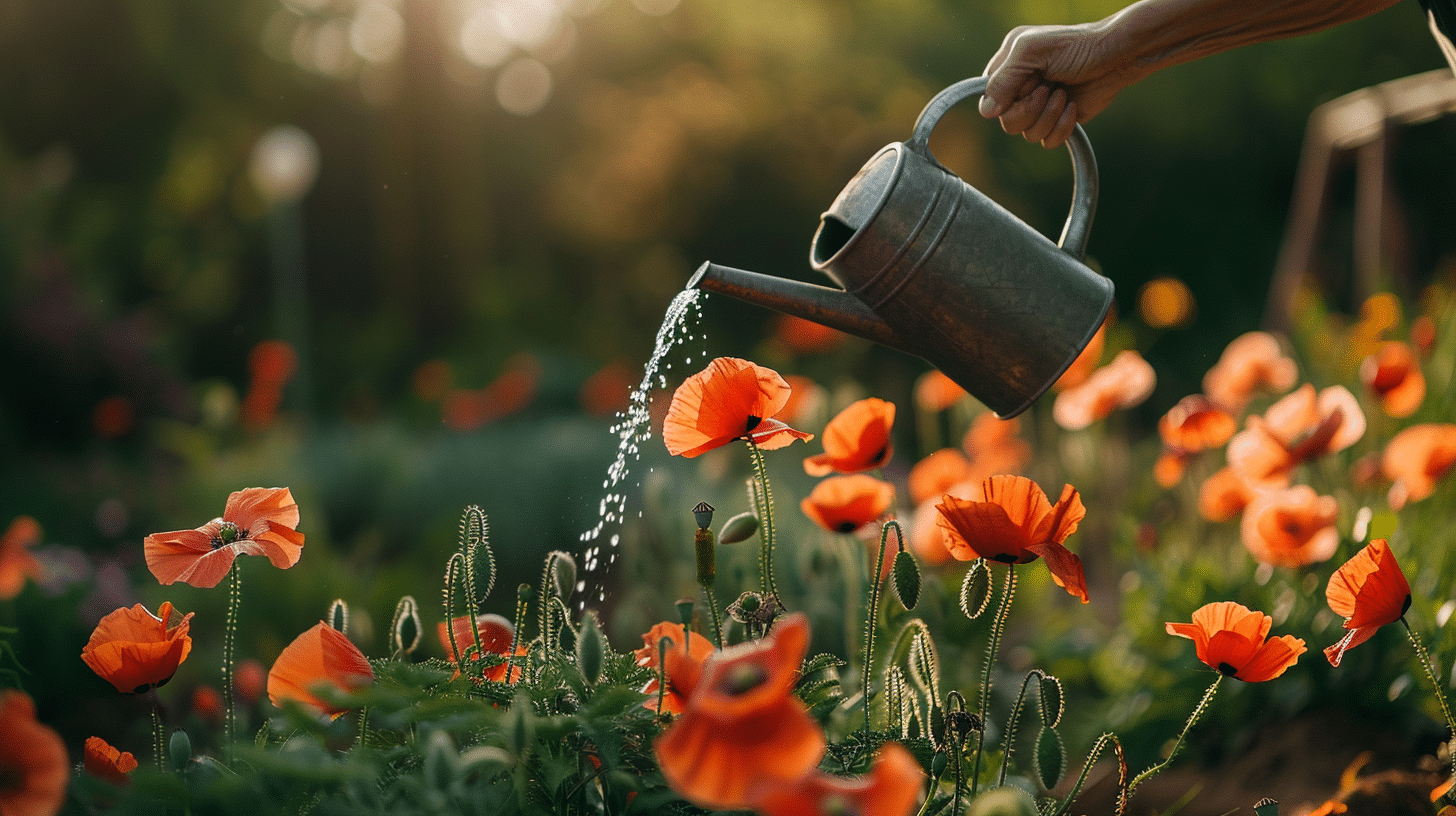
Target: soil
[1298, 764]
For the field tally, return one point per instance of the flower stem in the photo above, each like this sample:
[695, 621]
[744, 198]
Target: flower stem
[870, 615]
[998, 627]
[157, 747]
[229, 633]
[716, 615]
[763, 506]
[1425, 658]
[1192, 719]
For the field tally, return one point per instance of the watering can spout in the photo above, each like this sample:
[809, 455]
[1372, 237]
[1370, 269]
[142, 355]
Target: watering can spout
[825, 305]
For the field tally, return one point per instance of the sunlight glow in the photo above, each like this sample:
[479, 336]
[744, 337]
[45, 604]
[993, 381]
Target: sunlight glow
[523, 86]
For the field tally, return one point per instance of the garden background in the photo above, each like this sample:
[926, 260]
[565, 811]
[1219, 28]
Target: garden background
[506, 198]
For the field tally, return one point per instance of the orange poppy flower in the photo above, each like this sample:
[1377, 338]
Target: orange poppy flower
[1416, 459]
[935, 392]
[1016, 524]
[932, 476]
[1224, 495]
[682, 665]
[255, 521]
[843, 504]
[1253, 362]
[892, 788]
[1368, 591]
[1393, 375]
[1423, 334]
[1123, 383]
[993, 446]
[743, 729]
[806, 400]
[927, 542]
[16, 562]
[321, 656]
[1087, 360]
[806, 336]
[1230, 639]
[105, 762]
[1292, 528]
[608, 391]
[856, 439]
[33, 763]
[1195, 424]
[1299, 428]
[730, 399]
[134, 650]
[208, 705]
[496, 634]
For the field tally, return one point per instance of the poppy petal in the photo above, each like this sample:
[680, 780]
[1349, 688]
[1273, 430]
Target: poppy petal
[321, 655]
[248, 506]
[1273, 657]
[1066, 568]
[1353, 637]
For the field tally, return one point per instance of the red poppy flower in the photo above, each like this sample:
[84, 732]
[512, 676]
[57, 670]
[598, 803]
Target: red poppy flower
[1368, 591]
[935, 392]
[730, 399]
[496, 634]
[16, 563]
[1416, 459]
[1293, 527]
[743, 729]
[208, 705]
[892, 788]
[1193, 425]
[683, 665]
[856, 439]
[992, 445]
[1230, 639]
[1123, 383]
[249, 680]
[1252, 363]
[105, 762]
[1224, 495]
[1016, 524]
[843, 504]
[321, 656]
[1299, 428]
[255, 521]
[33, 763]
[134, 650]
[932, 476]
[1393, 375]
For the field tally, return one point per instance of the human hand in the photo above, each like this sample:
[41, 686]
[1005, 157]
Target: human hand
[1046, 79]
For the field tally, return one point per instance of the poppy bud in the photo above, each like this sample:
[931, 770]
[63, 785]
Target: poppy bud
[907, 579]
[1007, 800]
[405, 630]
[339, 616]
[976, 589]
[1050, 699]
[563, 573]
[739, 528]
[179, 750]
[524, 593]
[703, 515]
[590, 647]
[706, 558]
[1051, 757]
[937, 725]
[964, 723]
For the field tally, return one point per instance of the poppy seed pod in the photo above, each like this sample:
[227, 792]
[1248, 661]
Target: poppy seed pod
[179, 750]
[703, 515]
[405, 631]
[706, 559]
[739, 528]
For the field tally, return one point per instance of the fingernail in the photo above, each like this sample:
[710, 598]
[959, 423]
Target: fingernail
[989, 107]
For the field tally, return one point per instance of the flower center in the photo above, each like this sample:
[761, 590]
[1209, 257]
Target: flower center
[227, 533]
[1227, 670]
[751, 423]
[745, 678]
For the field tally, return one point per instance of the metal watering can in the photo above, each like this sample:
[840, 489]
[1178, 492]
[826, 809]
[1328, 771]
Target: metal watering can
[932, 267]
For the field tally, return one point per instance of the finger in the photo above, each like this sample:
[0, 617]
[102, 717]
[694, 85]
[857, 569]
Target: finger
[1024, 112]
[1063, 129]
[1048, 117]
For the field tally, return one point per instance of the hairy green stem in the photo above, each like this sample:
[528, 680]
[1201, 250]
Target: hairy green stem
[1188, 726]
[998, 627]
[870, 615]
[715, 615]
[1092, 757]
[158, 748]
[1012, 722]
[229, 632]
[1425, 658]
[763, 506]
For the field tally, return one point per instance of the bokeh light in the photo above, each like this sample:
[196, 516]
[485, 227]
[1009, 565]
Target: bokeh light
[1166, 303]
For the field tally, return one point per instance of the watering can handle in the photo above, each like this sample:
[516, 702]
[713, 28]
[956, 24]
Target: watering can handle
[1084, 164]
